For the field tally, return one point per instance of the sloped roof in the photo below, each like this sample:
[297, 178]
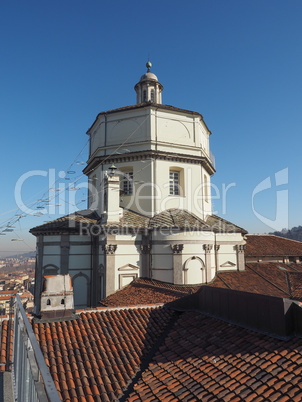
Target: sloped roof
[272, 279]
[205, 359]
[68, 223]
[157, 354]
[295, 285]
[6, 351]
[220, 225]
[171, 218]
[271, 245]
[147, 291]
[95, 357]
[178, 218]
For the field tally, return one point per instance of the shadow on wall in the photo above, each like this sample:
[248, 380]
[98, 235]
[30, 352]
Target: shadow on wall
[274, 315]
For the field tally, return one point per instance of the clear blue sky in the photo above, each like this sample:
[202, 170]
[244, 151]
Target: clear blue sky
[238, 63]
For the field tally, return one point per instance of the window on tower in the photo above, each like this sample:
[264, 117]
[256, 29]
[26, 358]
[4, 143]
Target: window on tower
[174, 183]
[144, 96]
[152, 95]
[127, 183]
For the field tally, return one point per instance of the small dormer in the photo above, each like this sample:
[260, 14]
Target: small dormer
[148, 89]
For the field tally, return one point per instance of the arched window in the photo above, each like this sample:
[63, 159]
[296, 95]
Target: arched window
[152, 95]
[62, 301]
[81, 289]
[48, 302]
[50, 269]
[144, 96]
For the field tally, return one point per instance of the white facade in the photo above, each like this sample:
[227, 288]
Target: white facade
[149, 170]
[155, 142]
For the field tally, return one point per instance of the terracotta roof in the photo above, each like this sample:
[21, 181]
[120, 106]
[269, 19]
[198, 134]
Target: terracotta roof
[295, 285]
[156, 354]
[221, 225]
[178, 218]
[68, 223]
[172, 218]
[272, 279]
[147, 291]
[94, 357]
[205, 359]
[8, 292]
[270, 245]
[6, 351]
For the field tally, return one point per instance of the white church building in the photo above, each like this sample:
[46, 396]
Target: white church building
[149, 208]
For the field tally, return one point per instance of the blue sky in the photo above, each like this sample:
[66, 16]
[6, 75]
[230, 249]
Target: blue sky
[238, 63]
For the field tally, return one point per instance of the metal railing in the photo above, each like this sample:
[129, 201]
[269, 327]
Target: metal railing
[212, 158]
[32, 380]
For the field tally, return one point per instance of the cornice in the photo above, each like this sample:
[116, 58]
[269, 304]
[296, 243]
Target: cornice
[150, 154]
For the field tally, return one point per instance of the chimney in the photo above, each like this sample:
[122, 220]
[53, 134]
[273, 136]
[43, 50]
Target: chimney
[112, 210]
[57, 298]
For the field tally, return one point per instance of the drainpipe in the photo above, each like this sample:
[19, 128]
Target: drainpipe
[155, 160]
[216, 256]
[150, 256]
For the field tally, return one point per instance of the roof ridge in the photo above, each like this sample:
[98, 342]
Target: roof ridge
[267, 280]
[117, 308]
[154, 285]
[229, 286]
[171, 216]
[272, 235]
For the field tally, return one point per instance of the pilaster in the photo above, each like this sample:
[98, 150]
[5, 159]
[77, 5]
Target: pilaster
[109, 251]
[177, 263]
[95, 291]
[240, 257]
[38, 276]
[64, 263]
[216, 249]
[145, 251]
[208, 250]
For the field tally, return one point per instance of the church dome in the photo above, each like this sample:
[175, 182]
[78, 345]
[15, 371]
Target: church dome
[148, 76]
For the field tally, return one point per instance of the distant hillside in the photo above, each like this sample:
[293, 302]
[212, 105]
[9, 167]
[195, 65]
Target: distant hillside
[30, 254]
[294, 234]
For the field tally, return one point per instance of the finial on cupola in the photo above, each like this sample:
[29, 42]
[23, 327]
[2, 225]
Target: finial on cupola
[148, 65]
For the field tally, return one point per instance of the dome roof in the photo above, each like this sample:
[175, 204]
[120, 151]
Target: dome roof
[148, 76]
[180, 218]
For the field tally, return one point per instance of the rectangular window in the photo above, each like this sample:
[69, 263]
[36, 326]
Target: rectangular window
[152, 95]
[174, 182]
[127, 183]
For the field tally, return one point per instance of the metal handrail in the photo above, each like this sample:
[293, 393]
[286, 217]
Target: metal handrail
[212, 158]
[32, 379]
